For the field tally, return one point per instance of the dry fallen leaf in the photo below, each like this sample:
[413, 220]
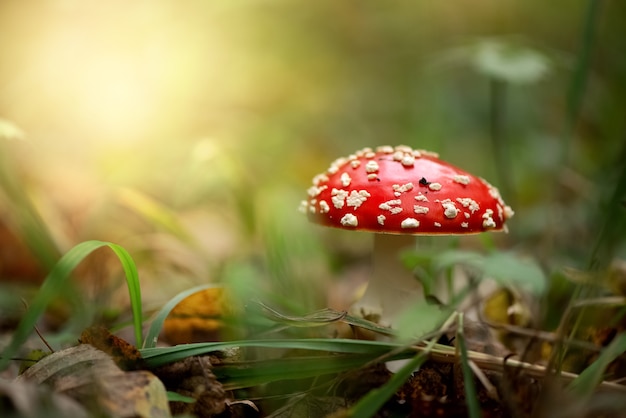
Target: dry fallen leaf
[92, 378]
[197, 318]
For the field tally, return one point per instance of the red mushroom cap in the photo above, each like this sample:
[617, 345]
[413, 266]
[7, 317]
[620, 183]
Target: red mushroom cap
[400, 190]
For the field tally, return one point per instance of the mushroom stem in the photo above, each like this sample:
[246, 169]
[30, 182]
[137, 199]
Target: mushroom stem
[392, 287]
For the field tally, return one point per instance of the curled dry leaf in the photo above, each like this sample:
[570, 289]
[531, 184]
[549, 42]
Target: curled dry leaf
[91, 377]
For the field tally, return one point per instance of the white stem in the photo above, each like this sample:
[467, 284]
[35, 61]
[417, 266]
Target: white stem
[392, 286]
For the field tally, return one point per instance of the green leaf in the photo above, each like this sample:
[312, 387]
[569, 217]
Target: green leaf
[412, 258]
[451, 258]
[508, 269]
[54, 285]
[419, 319]
[507, 59]
[509, 62]
[511, 270]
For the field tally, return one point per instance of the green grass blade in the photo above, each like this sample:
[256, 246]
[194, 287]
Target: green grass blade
[54, 284]
[339, 355]
[176, 397]
[612, 218]
[368, 405]
[346, 354]
[590, 378]
[321, 317]
[376, 398]
[159, 356]
[580, 77]
[253, 373]
[134, 287]
[159, 318]
[154, 212]
[471, 398]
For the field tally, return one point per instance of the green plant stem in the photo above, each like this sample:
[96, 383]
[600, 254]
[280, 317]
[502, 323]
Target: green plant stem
[581, 74]
[613, 227]
[497, 115]
[575, 96]
[578, 85]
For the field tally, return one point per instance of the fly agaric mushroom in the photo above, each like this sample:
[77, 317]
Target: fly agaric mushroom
[399, 192]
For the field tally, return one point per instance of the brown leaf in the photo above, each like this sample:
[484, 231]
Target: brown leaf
[92, 378]
[197, 318]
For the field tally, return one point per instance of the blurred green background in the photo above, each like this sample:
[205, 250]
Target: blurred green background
[188, 132]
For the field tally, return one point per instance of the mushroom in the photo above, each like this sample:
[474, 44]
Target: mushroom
[398, 192]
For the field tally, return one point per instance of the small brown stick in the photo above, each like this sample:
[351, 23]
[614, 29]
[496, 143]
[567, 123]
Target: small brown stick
[37, 330]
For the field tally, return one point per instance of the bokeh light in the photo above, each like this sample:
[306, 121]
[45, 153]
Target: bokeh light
[214, 116]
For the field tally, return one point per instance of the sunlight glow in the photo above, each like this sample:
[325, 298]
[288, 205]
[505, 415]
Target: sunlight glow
[109, 79]
[115, 99]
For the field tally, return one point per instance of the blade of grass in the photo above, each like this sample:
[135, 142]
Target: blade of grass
[590, 378]
[368, 405]
[368, 325]
[471, 398]
[54, 284]
[253, 373]
[134, 288]
[159, 356]
[315, 319]
[159, 318]
[177, 397]
[498, 91]
[580, 77]
[155, 212]
[243, 374]
[612, 216]
[376, 398]
[318, 318]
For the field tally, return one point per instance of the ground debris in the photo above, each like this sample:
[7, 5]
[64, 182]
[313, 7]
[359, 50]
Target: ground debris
[309, 406]
[124, 354]
[25, 399]
[91, 377]
[193, 377]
